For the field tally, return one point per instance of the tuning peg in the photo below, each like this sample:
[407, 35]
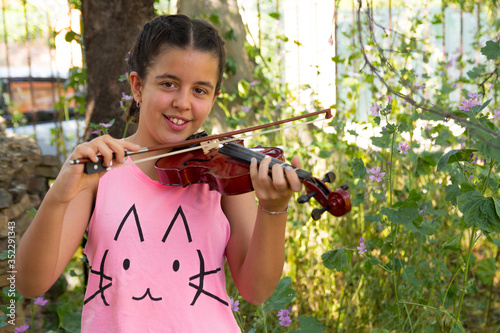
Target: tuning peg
[344, 187]
[306, 197]
[329, 177]
[317, 212]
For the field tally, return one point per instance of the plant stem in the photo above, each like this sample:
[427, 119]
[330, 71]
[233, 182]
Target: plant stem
[462, 294]
[394, 235]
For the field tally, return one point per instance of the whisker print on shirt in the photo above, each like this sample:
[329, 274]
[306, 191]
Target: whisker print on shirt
[149, 294]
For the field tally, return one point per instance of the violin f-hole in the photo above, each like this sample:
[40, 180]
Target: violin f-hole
[202, 160]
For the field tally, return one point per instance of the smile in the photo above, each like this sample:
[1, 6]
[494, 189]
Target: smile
[176, 121]
[147, 293]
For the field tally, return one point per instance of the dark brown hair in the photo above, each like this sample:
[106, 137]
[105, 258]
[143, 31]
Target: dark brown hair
[173, 31]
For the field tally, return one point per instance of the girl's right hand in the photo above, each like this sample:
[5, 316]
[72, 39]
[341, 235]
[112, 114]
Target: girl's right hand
[72, 180]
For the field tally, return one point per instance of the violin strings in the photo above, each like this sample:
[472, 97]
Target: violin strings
[214, 143]
[235, 150]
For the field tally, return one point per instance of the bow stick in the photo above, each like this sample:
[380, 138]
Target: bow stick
[94, 167]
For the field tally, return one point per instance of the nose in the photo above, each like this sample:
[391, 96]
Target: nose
[182, 100]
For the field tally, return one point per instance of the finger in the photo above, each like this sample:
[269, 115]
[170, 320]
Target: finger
[105, 151]
[293, 179]
[279, 180]
[296, 162]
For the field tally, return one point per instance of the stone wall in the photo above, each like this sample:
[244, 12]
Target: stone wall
[24, 180]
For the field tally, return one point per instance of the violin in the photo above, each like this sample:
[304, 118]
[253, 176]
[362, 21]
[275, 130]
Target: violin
[224, 166]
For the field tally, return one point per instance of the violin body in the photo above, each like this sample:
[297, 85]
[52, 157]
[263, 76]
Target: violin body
[224, 174]
[226, 170]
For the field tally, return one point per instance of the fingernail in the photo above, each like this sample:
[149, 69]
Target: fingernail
[288, 168]
[252, 159]
[111, 163]
[97, 159]
[267, 156]
[124, 159]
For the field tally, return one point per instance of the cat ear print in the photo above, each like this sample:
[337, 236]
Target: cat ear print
[137, 223]
[180, 213]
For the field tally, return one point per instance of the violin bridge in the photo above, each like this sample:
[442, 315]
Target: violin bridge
[207, 146]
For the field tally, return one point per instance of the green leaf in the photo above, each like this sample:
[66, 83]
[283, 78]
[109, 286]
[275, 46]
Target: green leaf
[383, 141]
[335, 259]
[479, 211]
[457, 328]
[486, 270]
[487, 149]
[243, 88]
[358, 168]
[402, 215]
[275, 16]
[476, 71]
[491, 50]
[281, 297]
[309, 325]
[452, 192]
[454, 155]
[69, 319]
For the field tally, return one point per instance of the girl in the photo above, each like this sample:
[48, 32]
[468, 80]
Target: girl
[156, 252]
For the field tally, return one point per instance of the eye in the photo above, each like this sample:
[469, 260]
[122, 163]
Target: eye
[176, 265]
[168, 84]
[200, 91]
[126, 264]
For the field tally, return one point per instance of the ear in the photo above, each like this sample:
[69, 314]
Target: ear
[128, 217]
[175, 220]
[136, 86]
[215, 97]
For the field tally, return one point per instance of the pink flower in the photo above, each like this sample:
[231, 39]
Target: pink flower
[284, 316]
[375, 109]
[403, 147]
[22, 328]
[496, 114]
[362, 247]
[467, 104]
[376, 174]
[235, 305]
[40, 301]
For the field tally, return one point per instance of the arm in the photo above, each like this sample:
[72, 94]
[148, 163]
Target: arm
[58, 227]
[255, 251]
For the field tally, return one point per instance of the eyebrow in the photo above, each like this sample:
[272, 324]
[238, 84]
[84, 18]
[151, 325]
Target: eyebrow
[170, 76]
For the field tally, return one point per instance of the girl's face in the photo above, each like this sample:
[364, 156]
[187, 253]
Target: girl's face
[176, 96]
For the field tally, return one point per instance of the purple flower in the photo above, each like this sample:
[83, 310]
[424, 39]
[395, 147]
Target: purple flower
[97, 131]
[423, 210]
[284, 316]
[403, 147]
[126, 97]
[22, 328]
[235, 305]
[40, 301]
[253, 83]
[376, 174]
[245, 109]
[375, 109]
[467, 104]
[390, 99]
[496, 114]
[362, 247]
[105, 125]
[470, 177]
[474, 95]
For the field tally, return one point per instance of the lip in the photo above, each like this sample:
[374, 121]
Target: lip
[174, 126]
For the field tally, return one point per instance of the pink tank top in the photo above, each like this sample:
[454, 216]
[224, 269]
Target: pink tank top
[157, 258]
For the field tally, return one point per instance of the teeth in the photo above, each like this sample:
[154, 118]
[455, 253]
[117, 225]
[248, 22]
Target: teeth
[177, 121]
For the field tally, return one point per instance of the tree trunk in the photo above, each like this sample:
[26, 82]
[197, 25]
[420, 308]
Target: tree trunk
[110, 28]
[229, 18]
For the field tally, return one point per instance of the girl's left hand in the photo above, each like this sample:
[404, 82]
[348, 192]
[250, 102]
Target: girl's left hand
[274, 191]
